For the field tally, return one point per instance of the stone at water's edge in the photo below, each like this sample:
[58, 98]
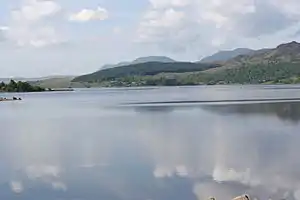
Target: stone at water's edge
[242, 197]
[13, 99]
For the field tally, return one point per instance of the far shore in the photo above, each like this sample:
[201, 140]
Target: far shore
[60, 90]
[2, 99]
[47, 90]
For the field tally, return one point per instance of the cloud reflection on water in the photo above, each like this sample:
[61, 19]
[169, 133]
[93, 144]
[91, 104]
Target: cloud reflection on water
[189, 153]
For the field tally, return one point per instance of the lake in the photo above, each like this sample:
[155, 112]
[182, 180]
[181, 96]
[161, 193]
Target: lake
[168, 143]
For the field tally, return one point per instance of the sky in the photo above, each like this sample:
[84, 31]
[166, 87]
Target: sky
[70, 37]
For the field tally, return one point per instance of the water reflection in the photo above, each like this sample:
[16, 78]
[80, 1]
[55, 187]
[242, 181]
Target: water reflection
[284, 110]
[191, 153]
[154, 109]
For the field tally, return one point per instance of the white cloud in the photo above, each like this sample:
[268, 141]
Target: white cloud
[4, 28]
[30, 24]
[89, 15]
[34, 10]
[16, 186]
[158, 25]
[216, 23]
[167, 3]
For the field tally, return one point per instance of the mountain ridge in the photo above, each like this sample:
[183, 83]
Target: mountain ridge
[143, 69]
[139, 60]
[224, 55]
[287, 52]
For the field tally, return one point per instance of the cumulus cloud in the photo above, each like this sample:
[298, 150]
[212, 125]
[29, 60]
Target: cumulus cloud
[89, 15]
[4, 28]
[30, 24]
[34, 10]
[192, 25]
[167, 3]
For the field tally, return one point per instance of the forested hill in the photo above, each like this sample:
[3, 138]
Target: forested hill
[283, 53]
[161, 59]
[277, 65]
[144, 69]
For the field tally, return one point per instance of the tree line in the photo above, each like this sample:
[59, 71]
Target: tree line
[280, 73]
[19, 86]
[144, 69]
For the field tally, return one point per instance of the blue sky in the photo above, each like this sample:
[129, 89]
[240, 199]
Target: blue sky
[49, 37]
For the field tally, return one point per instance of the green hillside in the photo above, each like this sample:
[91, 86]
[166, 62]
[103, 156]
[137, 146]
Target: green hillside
[162, 59]
[265, 66]
[143, 69]
[251, 74]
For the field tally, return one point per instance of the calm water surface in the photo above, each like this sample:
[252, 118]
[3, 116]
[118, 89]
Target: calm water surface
[104, 144]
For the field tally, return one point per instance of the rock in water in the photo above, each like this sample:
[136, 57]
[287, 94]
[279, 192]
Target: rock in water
[243, 197]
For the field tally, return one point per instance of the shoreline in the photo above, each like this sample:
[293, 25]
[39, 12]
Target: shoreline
[52, 90]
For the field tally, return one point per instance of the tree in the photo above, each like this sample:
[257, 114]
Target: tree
[20, 86]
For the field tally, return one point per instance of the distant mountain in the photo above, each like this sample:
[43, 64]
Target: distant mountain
[53, 82]
[144, 69]
[278, 65]
[284, 53]
[162, 59]
[226, 55]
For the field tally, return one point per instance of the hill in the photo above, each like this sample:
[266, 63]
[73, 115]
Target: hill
[284, 53]
[226, 55]
[162, 59]
[143, 69]
[278, 65]
[140, 60]
[55, 82]
[60, 82]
